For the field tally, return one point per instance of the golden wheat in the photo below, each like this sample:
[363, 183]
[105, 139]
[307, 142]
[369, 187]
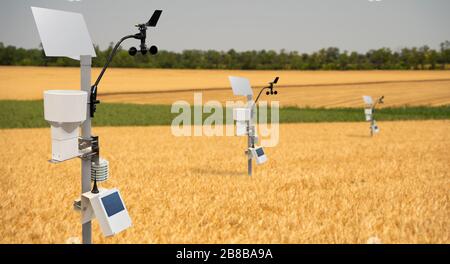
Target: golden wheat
[396, 94]
[118, 85]
[324, 183]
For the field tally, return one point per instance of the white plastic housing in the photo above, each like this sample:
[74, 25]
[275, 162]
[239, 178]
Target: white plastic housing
[367, 100]
[258, 154]
[375, 128]
[109, 209]
[241, 114]
[65, 110]
[368, 113]
[240, 86]
[65, 106]
[241, 128]
[63, 34]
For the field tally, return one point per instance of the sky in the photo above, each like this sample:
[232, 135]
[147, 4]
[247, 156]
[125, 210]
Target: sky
[293, 25]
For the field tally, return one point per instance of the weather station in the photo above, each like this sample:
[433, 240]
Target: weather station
[245, 118]
[369, 111]
[70, 113]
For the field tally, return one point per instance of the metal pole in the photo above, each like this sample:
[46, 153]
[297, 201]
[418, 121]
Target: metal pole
[371, 128]
[85, 64]
[372, 119]
[249, 133]
[249, 157]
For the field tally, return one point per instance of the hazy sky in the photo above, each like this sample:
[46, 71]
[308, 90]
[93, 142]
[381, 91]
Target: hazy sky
[302, 25]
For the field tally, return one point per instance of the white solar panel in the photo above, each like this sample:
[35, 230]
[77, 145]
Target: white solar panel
[240, 86]
[63, 34]
[368, 99]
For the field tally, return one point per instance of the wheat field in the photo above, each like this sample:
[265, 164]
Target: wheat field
[396, 94]
[324, 183]
[300, 88]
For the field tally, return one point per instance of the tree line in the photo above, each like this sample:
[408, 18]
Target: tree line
[416, 58]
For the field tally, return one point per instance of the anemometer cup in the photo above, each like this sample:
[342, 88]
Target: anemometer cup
[132, 51]
[271, 92]
[65, 110]
[153, 50]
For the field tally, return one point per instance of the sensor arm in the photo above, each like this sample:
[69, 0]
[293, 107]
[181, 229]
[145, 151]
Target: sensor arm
[260, 92]
[93, 97]
[142, 35]
[251, 109]
[267, 87]
[380, 100]
[111, 55]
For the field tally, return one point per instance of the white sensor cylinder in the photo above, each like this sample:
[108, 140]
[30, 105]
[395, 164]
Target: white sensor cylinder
[368, 113]
[65, 110]
[241, 128]
[241, 114]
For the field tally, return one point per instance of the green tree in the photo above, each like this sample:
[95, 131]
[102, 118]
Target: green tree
[445, 54]
[328, 59]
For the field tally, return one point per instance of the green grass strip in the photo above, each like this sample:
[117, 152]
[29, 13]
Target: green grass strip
[30, 114]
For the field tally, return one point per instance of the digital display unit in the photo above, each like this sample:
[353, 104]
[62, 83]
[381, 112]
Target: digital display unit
[113, 204]
[109, 209]
[259, 152]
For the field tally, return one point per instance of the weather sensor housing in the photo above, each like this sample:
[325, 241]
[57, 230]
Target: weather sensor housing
[64, 34]
[109, 209]
[65, 110]
[258, 154]
[244, 117]
[369, 110]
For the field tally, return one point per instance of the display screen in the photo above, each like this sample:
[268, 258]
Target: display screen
[259, 152]
[113, 204]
